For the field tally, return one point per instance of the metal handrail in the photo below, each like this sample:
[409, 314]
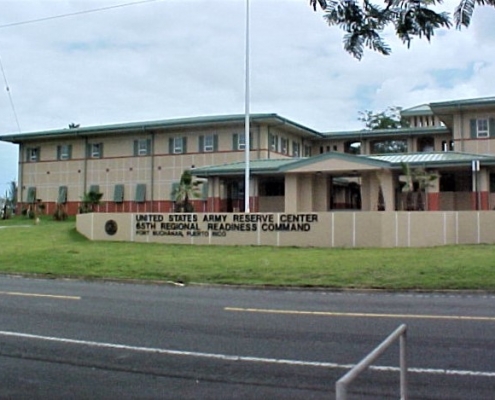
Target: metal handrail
[400, 332]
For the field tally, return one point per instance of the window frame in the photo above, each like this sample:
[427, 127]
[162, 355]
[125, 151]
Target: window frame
[142, 147]
[296, 149]
[241, 141]
[207, 146]
[34, 154]
[482, 133]
[95, 150]
[274, 143]
[284, 146]
[64, 152]
[178, 145]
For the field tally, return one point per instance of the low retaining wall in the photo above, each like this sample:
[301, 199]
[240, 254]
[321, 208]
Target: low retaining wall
[327, 229]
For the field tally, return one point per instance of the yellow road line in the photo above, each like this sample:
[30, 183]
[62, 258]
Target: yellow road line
[50, 296]
[361, 315]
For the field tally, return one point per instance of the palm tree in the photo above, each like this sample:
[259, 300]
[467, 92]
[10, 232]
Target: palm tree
[89, 202]
[416, 182]
[187, 189]
[10, 201]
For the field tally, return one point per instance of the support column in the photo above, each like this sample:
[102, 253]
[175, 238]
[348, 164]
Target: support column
[320, 192]
[386, 180]
[433, 194]
[369, 191]
[484, 189]
[291, 195]
[305, 193]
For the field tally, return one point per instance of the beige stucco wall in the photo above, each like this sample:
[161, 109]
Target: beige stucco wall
[271, 203]
[329, 229]
[120, 166]
[462, 132]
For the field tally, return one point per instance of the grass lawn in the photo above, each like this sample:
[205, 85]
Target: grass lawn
[55, 249]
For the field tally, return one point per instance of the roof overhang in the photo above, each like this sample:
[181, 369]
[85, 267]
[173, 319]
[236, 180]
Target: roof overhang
[163, 125]
[386, 133]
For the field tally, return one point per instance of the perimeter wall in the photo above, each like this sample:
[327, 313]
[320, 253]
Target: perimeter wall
[326, 229]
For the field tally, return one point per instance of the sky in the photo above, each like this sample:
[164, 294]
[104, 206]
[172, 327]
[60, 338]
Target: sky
[164, 59]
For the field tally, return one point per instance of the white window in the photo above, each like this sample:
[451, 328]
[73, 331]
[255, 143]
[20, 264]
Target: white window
[482, 128]
[241, 142]
[142, 147]
[178, 145]
[295, 149]
[208, 144]
[273, 143]
[64, 152]
[34, 154]
[95, 150]
[285, 146]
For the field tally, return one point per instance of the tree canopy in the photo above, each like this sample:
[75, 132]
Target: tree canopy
[388, 119]
[363, 22]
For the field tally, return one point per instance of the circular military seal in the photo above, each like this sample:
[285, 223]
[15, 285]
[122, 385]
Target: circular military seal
[111, 227]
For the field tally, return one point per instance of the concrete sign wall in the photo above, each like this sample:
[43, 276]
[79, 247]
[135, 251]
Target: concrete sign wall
[326, 229]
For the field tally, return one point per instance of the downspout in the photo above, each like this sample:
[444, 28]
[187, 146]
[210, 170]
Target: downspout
[20, 184]
[85, 168]
[152, 177]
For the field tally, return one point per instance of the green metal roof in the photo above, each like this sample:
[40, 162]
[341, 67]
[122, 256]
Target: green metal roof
[423, 109]
[482, 101]
[256, 166]
[392, 161]
[380, 133]
[267, 166]
[269, 119]
[332, 156]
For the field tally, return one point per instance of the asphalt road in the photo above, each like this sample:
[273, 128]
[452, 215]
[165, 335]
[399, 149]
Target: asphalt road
[85, 340]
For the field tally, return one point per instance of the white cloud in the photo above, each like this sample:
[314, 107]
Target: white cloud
[177, 58]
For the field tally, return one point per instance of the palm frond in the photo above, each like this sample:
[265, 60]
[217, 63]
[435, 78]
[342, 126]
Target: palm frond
[314, 4]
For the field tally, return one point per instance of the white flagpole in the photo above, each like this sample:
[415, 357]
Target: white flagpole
[247, 141]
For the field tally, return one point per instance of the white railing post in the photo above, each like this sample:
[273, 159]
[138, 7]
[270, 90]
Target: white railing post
[403, 365]
[347, 379]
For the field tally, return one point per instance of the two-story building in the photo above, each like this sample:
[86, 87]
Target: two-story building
[293, 168]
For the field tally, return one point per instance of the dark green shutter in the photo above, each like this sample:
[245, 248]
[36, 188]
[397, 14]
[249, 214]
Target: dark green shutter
[140, 193]
[235, 141]
[136, 148]
[491, 127]
[118, 194]
[59, 152]
[215, 142]
[88, 150]
[171, 146]
[473, 128]
[251, 144]
[62, 195]
[94, 189]
[70, 152]
[201, 146]
[184, 145]
[148, 146]
[101, 150]
[31, 195]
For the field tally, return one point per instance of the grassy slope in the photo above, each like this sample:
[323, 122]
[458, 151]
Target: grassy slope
[56, 249]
